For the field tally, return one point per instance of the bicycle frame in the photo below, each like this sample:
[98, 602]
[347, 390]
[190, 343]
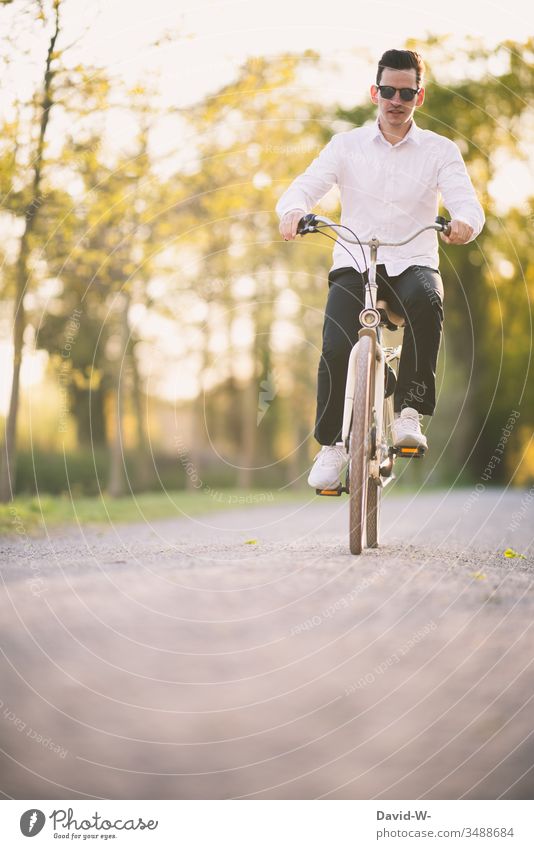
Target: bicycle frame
[367, 418]
[370, 319]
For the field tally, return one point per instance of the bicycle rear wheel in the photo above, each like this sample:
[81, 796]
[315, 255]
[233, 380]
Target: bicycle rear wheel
[359, 444]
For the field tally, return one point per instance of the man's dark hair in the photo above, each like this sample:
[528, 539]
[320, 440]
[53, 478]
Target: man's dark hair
[401, 60]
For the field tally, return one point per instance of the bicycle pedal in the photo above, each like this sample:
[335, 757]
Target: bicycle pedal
[332, 492]
[409, 450]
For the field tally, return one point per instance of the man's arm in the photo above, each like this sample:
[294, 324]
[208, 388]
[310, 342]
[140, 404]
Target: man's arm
[307, 189]
[459, 197]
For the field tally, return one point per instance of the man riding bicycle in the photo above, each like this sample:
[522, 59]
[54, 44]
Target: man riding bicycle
[390, 176]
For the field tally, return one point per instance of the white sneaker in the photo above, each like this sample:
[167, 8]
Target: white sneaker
[406, 430]
[328, 466]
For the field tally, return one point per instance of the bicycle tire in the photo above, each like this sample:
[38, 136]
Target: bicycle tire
[374, 493]
[374, 497]
[359, 442]
[374, 490]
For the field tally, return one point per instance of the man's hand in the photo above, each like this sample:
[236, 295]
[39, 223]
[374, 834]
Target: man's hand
[460, 233]
[289, 222]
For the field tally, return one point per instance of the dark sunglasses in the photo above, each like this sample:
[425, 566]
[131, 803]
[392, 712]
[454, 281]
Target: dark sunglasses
[406, 94]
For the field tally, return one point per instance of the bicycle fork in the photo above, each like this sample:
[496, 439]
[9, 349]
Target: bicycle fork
[380, 459]
[369, 320]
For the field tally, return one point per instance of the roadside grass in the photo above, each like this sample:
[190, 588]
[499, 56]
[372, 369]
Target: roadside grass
[32, 514]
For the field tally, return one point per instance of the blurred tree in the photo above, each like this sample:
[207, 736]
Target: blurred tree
[26, 204]
[103, 259]
[254, 135]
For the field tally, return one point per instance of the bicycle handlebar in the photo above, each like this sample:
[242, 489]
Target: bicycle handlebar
[308, 224]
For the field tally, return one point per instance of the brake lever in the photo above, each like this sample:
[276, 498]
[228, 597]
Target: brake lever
[444, 223]
[307, 224]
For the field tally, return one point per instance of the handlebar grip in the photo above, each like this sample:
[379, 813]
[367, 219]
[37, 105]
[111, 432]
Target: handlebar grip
[306, 224]
[445, 224]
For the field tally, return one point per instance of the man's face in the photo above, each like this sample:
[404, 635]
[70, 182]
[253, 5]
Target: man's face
[396, 113]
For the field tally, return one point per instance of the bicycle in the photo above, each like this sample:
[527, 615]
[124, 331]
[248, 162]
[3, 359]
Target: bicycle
[368, 407]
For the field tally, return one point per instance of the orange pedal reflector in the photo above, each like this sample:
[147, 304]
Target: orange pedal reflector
[339, 491]
[409, 451]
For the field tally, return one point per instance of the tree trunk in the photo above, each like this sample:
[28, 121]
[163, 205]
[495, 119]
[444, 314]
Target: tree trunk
[9, 454]
[116, 470]
[198, 442]
[258, 395]
[87, 407]
[116, 486]
[145, 474]
[249, 433]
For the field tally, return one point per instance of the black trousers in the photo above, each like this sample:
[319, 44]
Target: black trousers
[417, 295]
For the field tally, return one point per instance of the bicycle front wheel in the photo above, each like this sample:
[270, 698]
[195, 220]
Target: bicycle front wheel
[359, 443]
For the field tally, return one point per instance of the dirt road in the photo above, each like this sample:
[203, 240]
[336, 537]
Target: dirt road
[183, 660]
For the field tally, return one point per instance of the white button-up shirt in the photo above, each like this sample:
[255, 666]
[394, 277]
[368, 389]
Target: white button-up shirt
[389, 191]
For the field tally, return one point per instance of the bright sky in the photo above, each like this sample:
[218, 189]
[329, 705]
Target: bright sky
[219, 34]
[211, 39]
[208, 41]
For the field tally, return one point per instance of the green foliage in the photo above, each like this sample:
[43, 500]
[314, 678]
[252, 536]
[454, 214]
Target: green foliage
[29, 516]
[86, 473]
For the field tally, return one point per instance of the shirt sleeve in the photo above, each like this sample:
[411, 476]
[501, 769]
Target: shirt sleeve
[308, 189]
[457, 191]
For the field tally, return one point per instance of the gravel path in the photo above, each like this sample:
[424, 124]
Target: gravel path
[181, 660]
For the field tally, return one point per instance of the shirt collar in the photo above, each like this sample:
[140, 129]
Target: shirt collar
[413, 134]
